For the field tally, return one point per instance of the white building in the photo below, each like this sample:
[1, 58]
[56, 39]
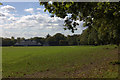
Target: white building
[28, 43]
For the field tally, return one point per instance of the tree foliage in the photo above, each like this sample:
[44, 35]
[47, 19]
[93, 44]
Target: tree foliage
[1, 3]
[104, 17]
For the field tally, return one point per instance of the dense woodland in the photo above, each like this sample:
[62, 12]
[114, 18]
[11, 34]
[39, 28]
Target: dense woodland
[86, 38]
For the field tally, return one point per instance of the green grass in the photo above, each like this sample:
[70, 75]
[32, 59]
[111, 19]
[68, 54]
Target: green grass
[59, 61]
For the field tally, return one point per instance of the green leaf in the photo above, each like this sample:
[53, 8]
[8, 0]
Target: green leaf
[1, 4]
[114, 13]
[67, 5]
[45, 10]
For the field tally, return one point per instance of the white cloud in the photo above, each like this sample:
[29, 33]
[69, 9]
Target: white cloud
[39, 8]
[12, 18]
[7, 8]
[5, 15]
[37, 24]
[30, 10]
[1, 14]
[50, 2]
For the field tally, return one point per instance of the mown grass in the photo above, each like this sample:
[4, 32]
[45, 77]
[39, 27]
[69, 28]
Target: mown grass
[59, 61]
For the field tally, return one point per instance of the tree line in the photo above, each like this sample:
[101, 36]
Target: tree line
[88, 37]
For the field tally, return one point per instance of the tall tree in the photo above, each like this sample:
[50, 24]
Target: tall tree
[51, 41]
[48, 36]
[95, 15]
[58, 37]
[13, 40]
[18, 39]
[72, 40]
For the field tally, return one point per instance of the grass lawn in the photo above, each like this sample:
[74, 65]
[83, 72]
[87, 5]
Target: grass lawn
[60, 61]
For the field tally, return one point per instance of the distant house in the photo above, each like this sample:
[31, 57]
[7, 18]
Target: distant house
[28, 43]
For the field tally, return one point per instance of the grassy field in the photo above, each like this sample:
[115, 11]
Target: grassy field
[60, 61]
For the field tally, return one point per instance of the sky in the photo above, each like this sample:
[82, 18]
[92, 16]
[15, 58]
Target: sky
[28, 19]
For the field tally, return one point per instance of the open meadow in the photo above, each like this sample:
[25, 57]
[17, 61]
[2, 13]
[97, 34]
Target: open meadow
[60, 62]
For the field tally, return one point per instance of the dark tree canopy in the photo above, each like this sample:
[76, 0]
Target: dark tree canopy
[104, 17]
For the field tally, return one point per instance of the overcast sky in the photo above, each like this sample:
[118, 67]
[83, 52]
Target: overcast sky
[28, 19]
